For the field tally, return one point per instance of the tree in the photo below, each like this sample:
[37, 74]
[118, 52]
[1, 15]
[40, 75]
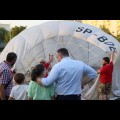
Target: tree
[108, 31]
[13, 32]
[7, 37]
[2, 34]
[16, 30]
[105, 29]
[118, 37]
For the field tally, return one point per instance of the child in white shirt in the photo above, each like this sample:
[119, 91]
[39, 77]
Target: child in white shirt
[19, 91]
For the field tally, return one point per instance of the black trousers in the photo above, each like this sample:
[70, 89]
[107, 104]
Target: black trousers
[68, 97]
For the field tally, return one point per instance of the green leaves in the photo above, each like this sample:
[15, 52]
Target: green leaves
[16, 30]
[13, 32]
[2, 33]
[108, 31]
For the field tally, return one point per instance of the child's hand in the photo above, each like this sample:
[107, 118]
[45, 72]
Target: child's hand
[14, 71]
[50, 58]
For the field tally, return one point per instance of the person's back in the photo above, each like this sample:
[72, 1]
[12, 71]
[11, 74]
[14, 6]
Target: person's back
[106, 73]
[19, 91]
[71, 74]
[37, 92]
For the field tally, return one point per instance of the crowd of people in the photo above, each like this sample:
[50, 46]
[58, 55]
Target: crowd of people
[62, 82]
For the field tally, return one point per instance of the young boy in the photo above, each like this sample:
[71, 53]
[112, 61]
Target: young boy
[37, 92]
[19, 91]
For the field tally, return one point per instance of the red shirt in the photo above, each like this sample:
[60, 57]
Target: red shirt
[47, 67]
[106, 73]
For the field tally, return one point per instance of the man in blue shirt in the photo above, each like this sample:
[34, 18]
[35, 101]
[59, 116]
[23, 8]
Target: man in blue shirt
[67, 75]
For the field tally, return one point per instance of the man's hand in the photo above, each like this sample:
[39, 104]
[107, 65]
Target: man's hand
[98, 72]
[2, 91]
[11, 98]
[39, 81]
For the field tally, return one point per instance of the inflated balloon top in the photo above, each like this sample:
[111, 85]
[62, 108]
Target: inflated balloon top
[84, 42]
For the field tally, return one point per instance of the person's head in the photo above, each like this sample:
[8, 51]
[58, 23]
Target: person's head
[106, 60]
[19, 78]
[61, 53]
[11, 58]
[42, 61]
[38, 71]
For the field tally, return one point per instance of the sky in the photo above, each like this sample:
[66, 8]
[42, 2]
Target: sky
[28, 23]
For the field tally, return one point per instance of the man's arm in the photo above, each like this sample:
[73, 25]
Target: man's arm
[53, 76]
[2, 91]
[11, 98]
[90, 72]
[4, 79]
[98, 72]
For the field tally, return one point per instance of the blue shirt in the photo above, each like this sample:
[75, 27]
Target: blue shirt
[68, 75]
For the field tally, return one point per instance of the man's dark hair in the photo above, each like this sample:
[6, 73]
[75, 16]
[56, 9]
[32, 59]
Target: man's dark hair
[19, 78]
[11, 57]
[106, 59]
[37, 71]
[63, 51]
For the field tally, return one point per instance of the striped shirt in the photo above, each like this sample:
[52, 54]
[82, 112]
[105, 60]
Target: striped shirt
[6, 76]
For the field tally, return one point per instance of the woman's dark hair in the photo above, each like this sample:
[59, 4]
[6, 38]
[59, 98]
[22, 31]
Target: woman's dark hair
[19, 78]
[106, 59]
[37, 71]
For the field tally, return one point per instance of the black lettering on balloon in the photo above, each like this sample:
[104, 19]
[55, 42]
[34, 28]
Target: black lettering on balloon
[109, 43]
[87, 31]
[113, 49]
[80, 29]
[102, 39]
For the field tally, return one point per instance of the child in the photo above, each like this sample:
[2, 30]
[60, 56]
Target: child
[47, 64]
[37, 92]
[19, 91]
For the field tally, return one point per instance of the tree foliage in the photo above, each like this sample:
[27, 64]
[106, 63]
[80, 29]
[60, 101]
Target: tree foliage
[7, 38]
[118, 37]
[13, 32]
[3, 32]
[108, 31]
[16, 30]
